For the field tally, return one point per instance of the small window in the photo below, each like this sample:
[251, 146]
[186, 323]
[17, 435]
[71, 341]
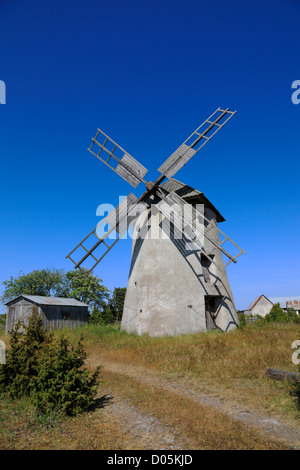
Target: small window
[206, 219]
[206, 263]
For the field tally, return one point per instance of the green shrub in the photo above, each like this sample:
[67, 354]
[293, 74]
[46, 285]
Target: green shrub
[46, 367]
[276, 314]
[100, 317]
[2, 320]
[112, 310]
[61, 384]
[297, 387]
[26, 345]
[242, 320]
[291, 313]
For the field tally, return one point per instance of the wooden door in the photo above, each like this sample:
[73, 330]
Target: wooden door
[210, 308]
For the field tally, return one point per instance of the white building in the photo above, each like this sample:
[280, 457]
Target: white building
[262, 305]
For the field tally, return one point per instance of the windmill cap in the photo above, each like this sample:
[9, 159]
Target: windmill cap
[188, 193]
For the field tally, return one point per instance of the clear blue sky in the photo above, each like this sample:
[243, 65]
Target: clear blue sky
[148, 73]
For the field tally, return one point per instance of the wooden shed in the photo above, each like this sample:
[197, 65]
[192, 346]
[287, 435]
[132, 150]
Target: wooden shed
[56, 312]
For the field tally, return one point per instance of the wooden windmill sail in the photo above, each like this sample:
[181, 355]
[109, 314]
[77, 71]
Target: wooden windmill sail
[177, 283]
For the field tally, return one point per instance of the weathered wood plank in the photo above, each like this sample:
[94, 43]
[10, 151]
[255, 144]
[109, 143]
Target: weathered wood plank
[177, 160]
[131, 170]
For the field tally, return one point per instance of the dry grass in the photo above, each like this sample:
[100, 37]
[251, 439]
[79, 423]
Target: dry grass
[231, 365]
[98, 430]
[200, 426]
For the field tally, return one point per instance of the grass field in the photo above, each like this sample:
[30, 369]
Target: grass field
[229, 366]
[232, 364]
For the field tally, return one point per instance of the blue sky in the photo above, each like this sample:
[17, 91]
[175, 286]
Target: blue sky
[148, 73]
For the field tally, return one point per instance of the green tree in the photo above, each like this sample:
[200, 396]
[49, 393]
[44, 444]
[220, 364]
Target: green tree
[86, 287]
[112, 310]
[101, 316]
[116, 303]
[276, 314]
[80, 285]
[47, 282]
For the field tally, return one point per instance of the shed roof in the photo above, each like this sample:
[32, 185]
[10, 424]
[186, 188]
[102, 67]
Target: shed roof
[44, 300]
[188, 193]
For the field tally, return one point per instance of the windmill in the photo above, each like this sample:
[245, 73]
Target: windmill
[177, 282]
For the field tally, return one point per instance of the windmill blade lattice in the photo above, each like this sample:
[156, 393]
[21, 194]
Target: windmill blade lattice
[118, 220]
[185, 225]
[188, 214]
[124, 164]
[195, 142]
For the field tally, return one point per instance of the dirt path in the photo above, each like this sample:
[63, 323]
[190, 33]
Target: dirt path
[136, 422]
[148, 432]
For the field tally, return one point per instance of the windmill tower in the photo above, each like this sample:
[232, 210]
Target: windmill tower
[177, 282]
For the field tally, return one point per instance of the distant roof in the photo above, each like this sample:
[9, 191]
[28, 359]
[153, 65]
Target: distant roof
[257, 300]
[187, 192]
[283, 300]
[43, 300]
[278, 300]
